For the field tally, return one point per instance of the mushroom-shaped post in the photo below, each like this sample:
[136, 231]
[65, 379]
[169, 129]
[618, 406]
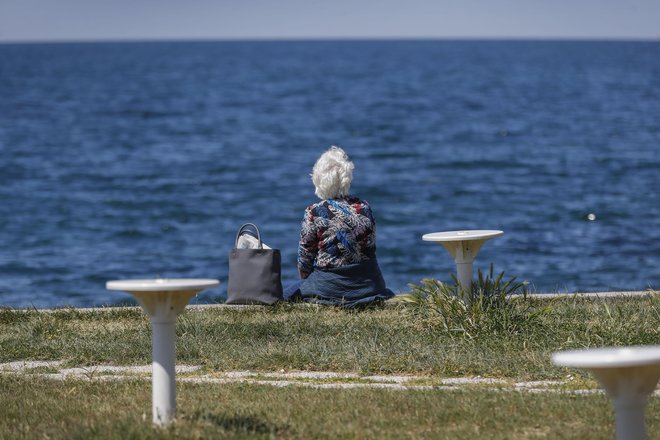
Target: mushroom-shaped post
[628, 374]
[463, 246]
[163, 300]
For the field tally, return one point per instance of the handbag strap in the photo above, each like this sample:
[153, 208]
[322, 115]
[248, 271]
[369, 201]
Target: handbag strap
[244, 229]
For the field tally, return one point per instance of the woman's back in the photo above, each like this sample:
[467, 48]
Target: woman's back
[337, 232]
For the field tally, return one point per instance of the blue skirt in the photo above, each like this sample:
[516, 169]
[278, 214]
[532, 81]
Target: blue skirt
[348, 286]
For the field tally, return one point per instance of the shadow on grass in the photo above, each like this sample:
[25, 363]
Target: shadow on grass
[240, 424]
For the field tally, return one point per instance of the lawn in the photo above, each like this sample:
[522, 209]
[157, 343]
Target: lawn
[111, 410]
[395, 339]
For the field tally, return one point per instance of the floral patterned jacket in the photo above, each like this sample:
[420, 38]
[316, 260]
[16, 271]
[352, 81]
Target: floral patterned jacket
[335, 233]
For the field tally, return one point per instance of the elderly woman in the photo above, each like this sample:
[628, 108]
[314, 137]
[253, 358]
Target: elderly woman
[337, 250]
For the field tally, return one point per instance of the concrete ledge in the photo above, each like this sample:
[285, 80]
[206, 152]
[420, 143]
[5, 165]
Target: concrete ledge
[585, 295]
[595, 295]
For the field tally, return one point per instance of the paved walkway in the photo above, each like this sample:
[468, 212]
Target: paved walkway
[315, 379]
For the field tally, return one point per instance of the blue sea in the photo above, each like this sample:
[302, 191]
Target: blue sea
[130, 160]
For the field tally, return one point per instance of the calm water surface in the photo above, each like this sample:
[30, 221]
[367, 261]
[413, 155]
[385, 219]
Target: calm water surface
[142, 160]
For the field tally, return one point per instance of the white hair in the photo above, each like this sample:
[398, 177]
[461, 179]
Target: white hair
[332, 174]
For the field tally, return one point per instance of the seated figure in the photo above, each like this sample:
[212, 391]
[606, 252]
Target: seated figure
[337, 249]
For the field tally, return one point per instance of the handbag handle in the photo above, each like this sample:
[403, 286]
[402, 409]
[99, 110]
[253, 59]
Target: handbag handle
[245, 228]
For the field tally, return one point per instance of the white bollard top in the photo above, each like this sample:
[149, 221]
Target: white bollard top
[478, 234]
[162, 284]
[611, 357]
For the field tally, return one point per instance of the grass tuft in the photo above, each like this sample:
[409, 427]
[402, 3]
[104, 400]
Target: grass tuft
[489, 308]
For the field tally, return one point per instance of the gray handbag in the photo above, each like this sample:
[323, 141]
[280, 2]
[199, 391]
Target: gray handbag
[255, 275]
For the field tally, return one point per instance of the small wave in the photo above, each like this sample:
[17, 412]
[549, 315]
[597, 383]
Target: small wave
[402, 154]
[495, 165]
[131, 233]
[143, 114]
[15, 268]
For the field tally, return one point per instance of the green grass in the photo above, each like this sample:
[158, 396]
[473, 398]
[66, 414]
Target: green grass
[37, 408]
[393, 339]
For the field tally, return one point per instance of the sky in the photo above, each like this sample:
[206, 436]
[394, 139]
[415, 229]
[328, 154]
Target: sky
[94, 20]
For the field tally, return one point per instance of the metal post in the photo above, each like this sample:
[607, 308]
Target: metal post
[629, 417]
[162, 300]
[163, 374]
[464, 272]
[629, 376]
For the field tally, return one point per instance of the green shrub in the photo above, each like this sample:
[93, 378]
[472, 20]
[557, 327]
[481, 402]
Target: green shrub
[494, 305]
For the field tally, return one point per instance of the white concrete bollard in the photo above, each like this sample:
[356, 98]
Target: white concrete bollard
[163, 300]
